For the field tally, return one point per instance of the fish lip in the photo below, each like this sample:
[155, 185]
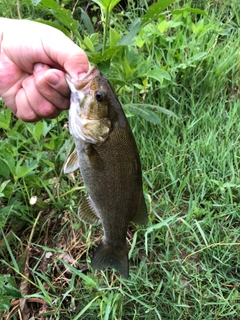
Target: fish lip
[85, 82]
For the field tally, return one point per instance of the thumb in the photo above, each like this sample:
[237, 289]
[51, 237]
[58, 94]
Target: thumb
[66, 53]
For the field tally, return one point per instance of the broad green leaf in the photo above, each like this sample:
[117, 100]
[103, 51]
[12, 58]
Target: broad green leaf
[48, 163]
[63, 15]
[192, 10]
[87, 22]
[5, 303]
[95, 58]
[155, 108]
[198, 56]
[106, 5]
[88, 43]
[4, 169]
[23, 170]
[159, 75]
[145, 113]
[9, 160]
[8, 287]
[55, 25]
[38, 129]
[114, 37]
[112, 4]
[154, 11]
[163, 26]
[133, 30]
[50, 145]
[5, 119]
[3, 185]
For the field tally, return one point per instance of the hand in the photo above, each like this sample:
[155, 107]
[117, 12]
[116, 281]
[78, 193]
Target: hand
[33, 61]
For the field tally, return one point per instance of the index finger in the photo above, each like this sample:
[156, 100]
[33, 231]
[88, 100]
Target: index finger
[66, 53]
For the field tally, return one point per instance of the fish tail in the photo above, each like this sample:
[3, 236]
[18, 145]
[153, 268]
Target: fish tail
[107, 256]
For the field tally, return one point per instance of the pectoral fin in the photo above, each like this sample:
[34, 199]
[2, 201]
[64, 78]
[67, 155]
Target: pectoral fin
[87, 212]
[72, 163]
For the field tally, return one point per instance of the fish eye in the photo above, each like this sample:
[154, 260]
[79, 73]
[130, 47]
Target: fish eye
[99, 95]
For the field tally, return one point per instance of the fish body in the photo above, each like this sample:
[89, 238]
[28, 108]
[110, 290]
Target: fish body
[110, 166]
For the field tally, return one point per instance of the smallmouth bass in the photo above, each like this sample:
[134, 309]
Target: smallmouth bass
[107, 156]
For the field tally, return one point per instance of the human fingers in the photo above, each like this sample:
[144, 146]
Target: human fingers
[28, 42]
[66, 53]
[52, 85]
[23, 109]
[31, 106]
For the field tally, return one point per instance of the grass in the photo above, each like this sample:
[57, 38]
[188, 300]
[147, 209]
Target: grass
[185, 263]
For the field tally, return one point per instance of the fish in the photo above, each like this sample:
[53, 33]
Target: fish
[106, 154]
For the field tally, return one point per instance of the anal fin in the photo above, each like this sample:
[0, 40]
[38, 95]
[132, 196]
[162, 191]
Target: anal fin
[87, 212]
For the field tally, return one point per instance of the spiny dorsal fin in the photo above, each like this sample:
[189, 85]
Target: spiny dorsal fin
[87, 212]
[72, 163]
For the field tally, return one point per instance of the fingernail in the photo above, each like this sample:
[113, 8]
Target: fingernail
[81, 75]
[37, 67]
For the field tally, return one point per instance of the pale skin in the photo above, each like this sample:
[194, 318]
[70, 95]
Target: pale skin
[34, 59]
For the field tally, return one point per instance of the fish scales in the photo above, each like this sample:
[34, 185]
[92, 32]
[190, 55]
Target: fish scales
[111, 171]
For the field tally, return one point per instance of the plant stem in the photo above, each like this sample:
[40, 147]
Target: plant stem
[105, 29]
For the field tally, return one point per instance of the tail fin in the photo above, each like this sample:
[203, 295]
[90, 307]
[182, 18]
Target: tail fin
[106, 256]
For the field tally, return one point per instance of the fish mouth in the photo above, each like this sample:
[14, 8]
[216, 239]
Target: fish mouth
[85, 82]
